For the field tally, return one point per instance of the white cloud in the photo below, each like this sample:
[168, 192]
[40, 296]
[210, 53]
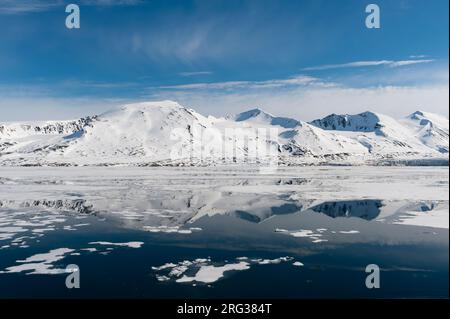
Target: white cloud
[304, 103]
[27, 6]
[307, 98]
[360, 64]
[195, 73]
[112, 2]
[300, 80]
[302, 97]
[14, 6]
[407, 62]
[40, 108]
[314, 102]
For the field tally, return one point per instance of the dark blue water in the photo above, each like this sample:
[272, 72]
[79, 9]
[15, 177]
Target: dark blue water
[329, 271]
[219, 221]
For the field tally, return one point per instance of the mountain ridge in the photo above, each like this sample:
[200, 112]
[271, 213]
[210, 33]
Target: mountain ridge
[166, 133]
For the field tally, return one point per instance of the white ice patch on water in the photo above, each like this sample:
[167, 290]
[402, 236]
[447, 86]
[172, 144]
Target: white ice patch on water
[44, 263]
[303, 233]
[24, 219]
[81, 225]
[9, 232]
[170, 229]
[271, 261]
[162, 278]
[41, 263]
[349, 231]
[210, 274]
[131, 244]
[316, 236]
[165, 266]
[203, 270]
[43, 230]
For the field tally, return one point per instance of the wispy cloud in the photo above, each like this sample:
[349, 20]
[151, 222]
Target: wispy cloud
[14, 6]
[359, 64]
[98, 85]
[300, 80]
[315, 102]
[28, 6]
[112, 2]
[195, 73]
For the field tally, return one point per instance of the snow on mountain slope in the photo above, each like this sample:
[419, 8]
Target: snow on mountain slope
[19, 130]
[40, 137]
[300, 138]
[142, 132]
[379, 133]
[166, 133]
[363, 122]
[259, 116]
[431, 129]
[307, 138]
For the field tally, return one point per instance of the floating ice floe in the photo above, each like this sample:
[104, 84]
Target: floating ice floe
[21, 241]
[131, 244]
[43, 230]
[170, 229]
[210, 274]
[81, 225]
[30, 221]
[41, 263]
[44, 263]
[349, 231]
[314, 236]
[9, 232]
[204, 270]
[270, 261]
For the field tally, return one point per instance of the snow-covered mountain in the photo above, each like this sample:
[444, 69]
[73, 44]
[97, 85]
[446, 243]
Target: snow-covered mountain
[364, 122]
[142, 132]
[261, 117]
[300, 138]
[431, 129]
[22, 139]
[307, 139]
[383, 135]
[166, 133]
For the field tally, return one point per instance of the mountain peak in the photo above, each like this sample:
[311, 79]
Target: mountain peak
[143, 107]
[369, 114]
[419, 113]
[261, 116]
[363, 122]
[163, 131]
[252, 113]
[427, 118]
[152, 104]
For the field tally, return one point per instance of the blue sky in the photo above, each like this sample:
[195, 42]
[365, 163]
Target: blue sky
[295, 58]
